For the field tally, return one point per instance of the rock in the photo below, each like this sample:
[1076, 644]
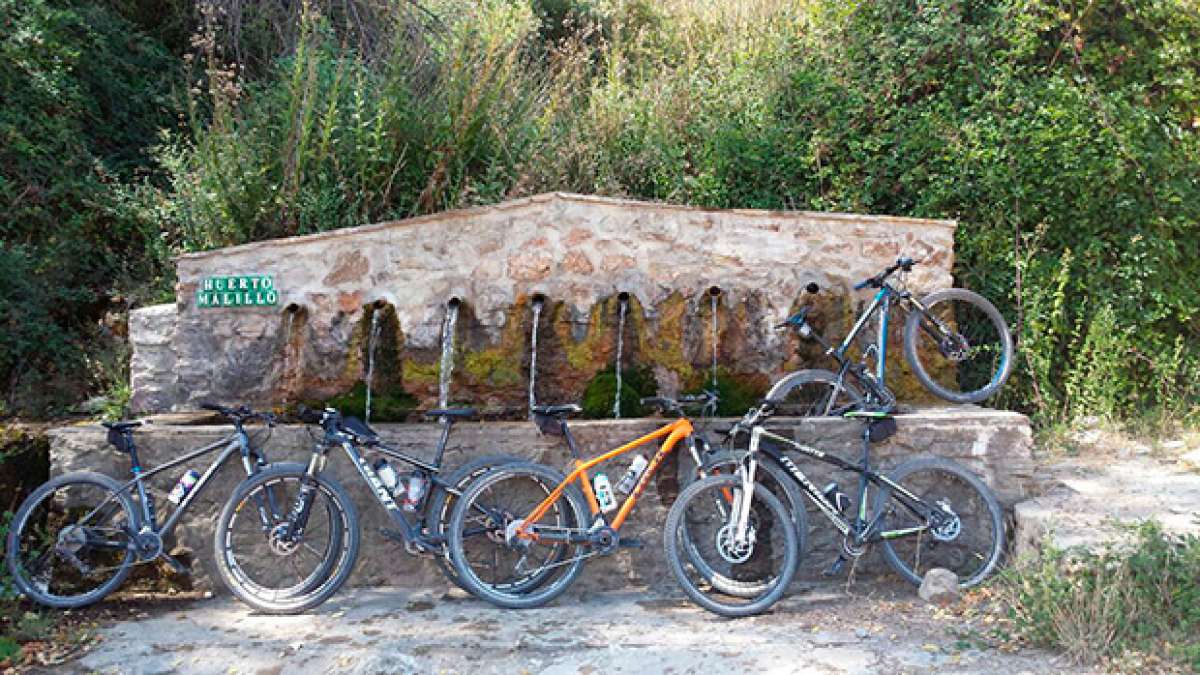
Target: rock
[1191, 459]
[939, 587]
[385, 663]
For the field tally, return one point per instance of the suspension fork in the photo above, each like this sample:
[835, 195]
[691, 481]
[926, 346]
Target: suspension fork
[298, 518]
[742, 500]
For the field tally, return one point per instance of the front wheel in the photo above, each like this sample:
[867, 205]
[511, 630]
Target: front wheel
[71, 541]
[271, 570]
[958, 346]
[703, 523]
[968, 538]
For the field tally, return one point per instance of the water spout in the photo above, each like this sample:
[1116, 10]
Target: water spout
[713, 294]
[624, 300]
[446, 367]
[372, 339]
[538, 302]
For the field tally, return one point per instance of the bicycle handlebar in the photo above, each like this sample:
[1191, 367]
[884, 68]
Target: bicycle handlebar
[876, 281]
[239, 414]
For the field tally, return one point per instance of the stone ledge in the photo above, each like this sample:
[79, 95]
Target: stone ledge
[996, 445]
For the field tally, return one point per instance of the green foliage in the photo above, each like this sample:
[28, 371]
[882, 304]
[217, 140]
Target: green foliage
[1142, 597]
[391, 406]
[736, 394]
[83, 98]
[600, 392]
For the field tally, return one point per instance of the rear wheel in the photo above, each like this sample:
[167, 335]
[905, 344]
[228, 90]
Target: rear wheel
[959, 347]
[71, 542]
[813, 393]
[271, 571]
[441, 505]
[970, 538]
[501, 568]
[702, 523]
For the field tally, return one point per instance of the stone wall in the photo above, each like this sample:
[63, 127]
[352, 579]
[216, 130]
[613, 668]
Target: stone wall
[996, 445]
[575, 254]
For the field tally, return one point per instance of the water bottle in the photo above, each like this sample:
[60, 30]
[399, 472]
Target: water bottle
[415, 489]
[632, 474]
[387, 474]
[839, 500]
[604, 493]
[184, 486]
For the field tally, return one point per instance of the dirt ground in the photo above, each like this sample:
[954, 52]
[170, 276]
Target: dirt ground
[819, 628]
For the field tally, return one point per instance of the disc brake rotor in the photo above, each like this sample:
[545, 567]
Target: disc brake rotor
[733, 552]
[951, 526]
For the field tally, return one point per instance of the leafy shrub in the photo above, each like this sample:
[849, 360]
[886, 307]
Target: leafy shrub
[600, 392]
[1142, 597]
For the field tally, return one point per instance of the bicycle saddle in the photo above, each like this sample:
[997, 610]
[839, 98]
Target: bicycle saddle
[880, 423]
[359, 430]
[119, 433]
[122, 426]
[451, 412]
[556, 410]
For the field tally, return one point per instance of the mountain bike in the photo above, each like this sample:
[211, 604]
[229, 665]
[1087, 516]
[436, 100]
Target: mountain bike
[76, 538]
[541, 526]
[956, 342]
[927, 512]
[303, 543]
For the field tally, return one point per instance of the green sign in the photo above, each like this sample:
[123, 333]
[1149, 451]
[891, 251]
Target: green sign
[243, 290]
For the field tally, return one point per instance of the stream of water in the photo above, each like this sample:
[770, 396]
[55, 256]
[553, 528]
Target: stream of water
[371, 340]
[446, 367]
[620, 345]
[533, 349]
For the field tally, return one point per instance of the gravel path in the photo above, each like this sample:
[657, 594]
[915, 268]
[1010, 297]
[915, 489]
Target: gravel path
[820, 628]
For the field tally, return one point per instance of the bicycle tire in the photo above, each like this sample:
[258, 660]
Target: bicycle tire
[317, 590]
[913, 324]
[786, 385]
[441, 505]
[21, 520]
[521, 597]
[995, 519]
[794, 502]
[675, 558]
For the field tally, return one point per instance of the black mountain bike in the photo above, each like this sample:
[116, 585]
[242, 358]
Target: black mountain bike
[956, 342]
[302, 543]
[927, 512]
[75, 539]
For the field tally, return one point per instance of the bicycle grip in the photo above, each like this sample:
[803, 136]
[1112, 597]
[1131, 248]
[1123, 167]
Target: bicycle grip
[308, 415]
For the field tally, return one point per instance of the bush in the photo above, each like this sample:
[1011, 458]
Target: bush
[1143, 597]
[600, 392]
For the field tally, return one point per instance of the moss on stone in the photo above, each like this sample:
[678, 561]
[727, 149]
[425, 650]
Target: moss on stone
[385, 407]
[416, 373]
[600, 392]
[664, 346]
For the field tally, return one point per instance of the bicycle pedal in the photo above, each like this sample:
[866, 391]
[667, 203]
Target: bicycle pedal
[630, 542]
[836, 567]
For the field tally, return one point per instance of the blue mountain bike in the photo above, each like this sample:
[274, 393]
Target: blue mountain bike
[955, 341]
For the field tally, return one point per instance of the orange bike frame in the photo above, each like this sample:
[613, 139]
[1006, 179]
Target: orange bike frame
[674, 432]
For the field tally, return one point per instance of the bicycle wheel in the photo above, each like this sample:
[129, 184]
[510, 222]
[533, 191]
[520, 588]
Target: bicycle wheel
[261, 566]
[701, 520]
[509, 572]
[751, 583]
[71, 541]
[441, 505]
[969, 544]
[813, 393]
[959, 347]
